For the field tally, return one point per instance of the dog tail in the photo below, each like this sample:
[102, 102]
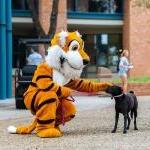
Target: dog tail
[131, 114]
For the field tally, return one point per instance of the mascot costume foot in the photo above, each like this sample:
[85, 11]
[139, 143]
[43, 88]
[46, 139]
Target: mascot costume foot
[53, 82]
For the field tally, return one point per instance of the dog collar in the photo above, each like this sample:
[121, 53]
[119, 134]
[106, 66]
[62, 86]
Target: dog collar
[118, 95]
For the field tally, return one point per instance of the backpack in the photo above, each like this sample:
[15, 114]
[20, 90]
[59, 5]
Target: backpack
[118, 62]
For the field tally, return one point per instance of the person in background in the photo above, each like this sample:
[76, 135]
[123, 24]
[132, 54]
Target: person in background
[34, 58]
[124, 68]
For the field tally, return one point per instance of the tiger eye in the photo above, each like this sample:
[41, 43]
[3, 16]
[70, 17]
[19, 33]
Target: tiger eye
[75, 48]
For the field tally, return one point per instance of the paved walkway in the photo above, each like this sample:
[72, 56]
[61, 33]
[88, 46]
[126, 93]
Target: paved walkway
[89, 130]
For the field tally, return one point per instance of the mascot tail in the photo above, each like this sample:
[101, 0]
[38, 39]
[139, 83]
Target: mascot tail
[23, 129]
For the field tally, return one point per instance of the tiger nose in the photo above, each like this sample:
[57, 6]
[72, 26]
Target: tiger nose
[85, 61]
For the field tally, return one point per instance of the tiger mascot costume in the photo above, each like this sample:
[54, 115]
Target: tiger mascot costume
[53, 83]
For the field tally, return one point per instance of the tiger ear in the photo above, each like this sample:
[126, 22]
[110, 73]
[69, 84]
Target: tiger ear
[55, 40]
[62, 38]
[78, 34]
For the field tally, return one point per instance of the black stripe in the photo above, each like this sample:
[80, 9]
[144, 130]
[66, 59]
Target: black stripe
[69, 99]
[45, 121]
[89, 84]
[70, 81]
[78, 85]
[71, 41]
[33, 101]
[58, 91]
[33, 84]
[43, 76]
[72, 116]
[48, 88]
[51, 100]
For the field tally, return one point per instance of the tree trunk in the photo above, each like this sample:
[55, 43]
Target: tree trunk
[53, 18]
[34, 6]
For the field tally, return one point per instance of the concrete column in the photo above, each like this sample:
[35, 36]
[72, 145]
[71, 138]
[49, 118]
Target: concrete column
[2, 49]
[8, 50]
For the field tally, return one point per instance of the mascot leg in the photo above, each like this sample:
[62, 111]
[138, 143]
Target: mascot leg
[46, 115]
[26, 129]
[69, 111]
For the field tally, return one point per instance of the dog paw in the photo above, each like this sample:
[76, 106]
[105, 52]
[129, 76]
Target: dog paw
[124, 132]
[135, 128]
[113, 131]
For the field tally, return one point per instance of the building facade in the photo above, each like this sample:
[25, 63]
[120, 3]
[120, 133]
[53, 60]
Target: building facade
[106, 26]
[100, 22]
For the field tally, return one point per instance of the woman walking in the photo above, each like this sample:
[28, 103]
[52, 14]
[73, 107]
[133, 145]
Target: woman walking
[124, 68]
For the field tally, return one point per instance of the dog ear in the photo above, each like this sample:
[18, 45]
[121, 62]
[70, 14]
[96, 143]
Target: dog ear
[132, 92]
[121, 89]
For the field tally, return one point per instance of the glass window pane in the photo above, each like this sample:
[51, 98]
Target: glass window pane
[90, 48]
[82, 5]
[108, 52]
[20, 4]
[103, 6]
[71, 5]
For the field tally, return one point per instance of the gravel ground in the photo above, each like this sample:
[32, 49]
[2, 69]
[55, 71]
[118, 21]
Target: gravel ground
[91, 129]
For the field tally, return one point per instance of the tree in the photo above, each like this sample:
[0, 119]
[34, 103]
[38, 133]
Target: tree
[34, 7]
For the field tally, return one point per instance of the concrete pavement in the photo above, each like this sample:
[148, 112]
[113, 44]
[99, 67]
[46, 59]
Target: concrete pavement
[91, 128]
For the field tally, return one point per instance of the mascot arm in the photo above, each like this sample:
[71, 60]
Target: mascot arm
[43, 80]
[87, 86]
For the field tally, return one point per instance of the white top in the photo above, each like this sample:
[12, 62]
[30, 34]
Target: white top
[124, 64]
[34, 59]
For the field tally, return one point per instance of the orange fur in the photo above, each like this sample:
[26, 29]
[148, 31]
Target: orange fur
[45, 98]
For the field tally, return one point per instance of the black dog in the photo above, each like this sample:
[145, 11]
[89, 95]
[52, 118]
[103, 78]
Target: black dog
[124, 103]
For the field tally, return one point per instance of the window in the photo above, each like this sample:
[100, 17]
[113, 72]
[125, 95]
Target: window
[108, 48]
[20, 4]
[103, 6]
[103, 49]
[71, 5]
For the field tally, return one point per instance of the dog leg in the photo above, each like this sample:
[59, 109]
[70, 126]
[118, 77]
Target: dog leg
[135, 116]
[125, 124]
[129, 120]
[116, 122]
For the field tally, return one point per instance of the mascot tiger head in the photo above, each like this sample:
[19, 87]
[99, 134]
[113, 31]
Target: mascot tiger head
[67, 54]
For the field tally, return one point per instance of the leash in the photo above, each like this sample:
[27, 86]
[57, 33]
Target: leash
[62, 113]
[63, 110]
[118, 95]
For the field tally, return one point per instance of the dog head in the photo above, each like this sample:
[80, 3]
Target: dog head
[114, 90]
[67, 54]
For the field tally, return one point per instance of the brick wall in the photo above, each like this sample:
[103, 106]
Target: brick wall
[45, 9]
[140, 89]
[137, 37]
[62, 16]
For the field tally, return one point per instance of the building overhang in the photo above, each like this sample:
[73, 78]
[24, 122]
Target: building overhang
[22, 20]
[94, 22]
